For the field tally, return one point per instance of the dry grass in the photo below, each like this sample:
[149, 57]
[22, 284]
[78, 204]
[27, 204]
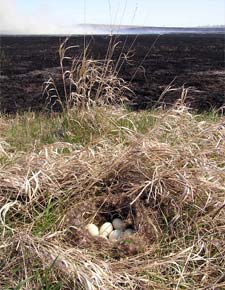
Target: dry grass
[86, 82]
[167, 182]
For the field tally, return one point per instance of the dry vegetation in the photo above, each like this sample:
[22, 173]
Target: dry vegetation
[161, 171]
[87, 82]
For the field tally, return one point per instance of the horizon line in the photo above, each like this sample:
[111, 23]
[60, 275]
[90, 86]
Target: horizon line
[104, 29]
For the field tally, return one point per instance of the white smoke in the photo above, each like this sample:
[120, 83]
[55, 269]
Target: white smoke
[14, 20]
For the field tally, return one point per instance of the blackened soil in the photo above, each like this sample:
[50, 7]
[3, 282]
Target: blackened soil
[194, 61]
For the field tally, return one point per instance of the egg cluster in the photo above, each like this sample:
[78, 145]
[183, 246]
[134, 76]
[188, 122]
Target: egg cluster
[113, 231]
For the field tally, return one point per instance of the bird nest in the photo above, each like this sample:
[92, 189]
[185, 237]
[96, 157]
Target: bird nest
[138, 216]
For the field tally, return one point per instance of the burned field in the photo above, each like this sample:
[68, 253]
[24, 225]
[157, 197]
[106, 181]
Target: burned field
[152, 63]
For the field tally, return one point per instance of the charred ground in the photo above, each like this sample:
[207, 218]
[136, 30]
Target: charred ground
[195, 61]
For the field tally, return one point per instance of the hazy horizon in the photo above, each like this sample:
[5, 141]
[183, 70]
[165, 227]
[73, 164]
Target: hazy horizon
[81, 29]
[64, 17]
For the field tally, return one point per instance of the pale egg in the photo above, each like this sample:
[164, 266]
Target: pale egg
[118, 224]
[115, 235]
[92, 229]
[106, 229]
[128, 232]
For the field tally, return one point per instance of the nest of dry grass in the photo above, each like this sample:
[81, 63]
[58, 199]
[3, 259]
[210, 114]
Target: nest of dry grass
[167, 184]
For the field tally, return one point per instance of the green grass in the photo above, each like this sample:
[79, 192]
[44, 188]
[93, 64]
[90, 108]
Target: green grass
[42, 278]
[33, 130]
[30, 131]
[45, 221]
[210, 116]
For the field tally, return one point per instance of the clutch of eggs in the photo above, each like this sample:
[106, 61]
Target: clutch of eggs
[113, 231]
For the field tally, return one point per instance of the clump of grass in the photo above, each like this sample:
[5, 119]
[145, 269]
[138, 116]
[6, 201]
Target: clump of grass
[161, 171]
[86, 82]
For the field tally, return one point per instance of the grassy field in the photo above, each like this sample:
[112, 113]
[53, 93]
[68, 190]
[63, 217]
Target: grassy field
[161, 171]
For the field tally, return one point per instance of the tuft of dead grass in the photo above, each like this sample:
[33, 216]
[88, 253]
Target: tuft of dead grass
[86, 82]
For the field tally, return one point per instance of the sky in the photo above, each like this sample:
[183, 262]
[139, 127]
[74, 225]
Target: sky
[62, 16]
